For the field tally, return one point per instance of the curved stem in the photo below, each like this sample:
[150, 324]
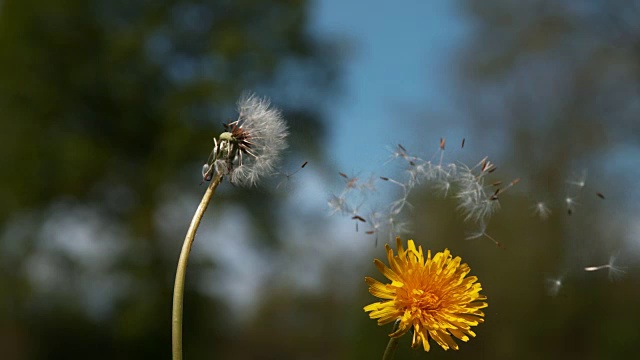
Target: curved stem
[178, 288]
[393, 343]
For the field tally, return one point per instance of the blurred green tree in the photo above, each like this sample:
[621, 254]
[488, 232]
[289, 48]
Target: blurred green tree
[107, 109]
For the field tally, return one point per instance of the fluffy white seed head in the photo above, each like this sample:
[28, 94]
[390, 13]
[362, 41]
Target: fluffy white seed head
[264, 132]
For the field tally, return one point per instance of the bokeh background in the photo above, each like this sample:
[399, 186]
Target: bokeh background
[107, 110]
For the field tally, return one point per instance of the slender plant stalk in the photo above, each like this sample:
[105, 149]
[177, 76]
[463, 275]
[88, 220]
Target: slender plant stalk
[393, 344]
[178, 288]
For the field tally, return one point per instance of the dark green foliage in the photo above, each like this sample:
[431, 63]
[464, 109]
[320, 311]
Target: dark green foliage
[109, 106]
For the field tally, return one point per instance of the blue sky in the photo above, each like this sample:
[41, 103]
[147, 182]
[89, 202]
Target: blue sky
[401, 64]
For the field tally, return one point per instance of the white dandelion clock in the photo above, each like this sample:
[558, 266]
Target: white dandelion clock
[250, 146]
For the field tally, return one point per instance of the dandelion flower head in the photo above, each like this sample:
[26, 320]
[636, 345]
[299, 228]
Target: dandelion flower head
[433, 297]
[251, 146]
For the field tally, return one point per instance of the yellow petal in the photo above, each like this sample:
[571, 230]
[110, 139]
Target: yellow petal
[432, 295]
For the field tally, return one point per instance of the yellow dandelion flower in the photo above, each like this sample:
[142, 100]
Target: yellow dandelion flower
[432, 297]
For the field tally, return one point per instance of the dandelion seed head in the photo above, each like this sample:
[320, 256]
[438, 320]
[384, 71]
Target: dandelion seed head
[251, 146]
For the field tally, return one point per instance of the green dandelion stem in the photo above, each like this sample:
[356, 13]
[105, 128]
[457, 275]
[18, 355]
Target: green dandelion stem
[178, 289]
[393, 343]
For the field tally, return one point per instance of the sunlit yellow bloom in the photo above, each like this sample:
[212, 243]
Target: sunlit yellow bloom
[433, 297]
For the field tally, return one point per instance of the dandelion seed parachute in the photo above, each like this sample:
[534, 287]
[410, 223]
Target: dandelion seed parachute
[553, 286]
[615, 272]
[541, 210]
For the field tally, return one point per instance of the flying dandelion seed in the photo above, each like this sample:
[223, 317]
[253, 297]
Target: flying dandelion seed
[288, 175]
[476, 201]
[338, 204]
[476, 206]
[578, 180]
[570, 204]
[438, 171]
[399, 205]
[541, 210]
[397, 226]
[354, 212]
[614, 272]
[553, 286]
[369, 185]
[432, 297]
[358, 218]
[401, 185]
[374, 220]
[354, 183]
[400, 152]
[502, 190]
[482, 232]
